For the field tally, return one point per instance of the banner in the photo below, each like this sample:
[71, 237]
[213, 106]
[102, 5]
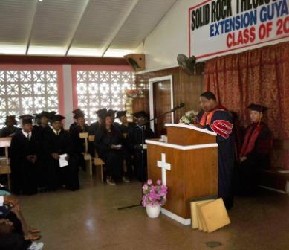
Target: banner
[220, 26]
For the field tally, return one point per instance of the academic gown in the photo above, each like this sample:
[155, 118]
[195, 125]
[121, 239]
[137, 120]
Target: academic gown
[94, 127]
[136, 137]
[128, 153]
[113, 158]
[23, 171]
[257, 158]
[79, 143]
[221, 122]
[43, 159]
[68, 175]
[8, 131]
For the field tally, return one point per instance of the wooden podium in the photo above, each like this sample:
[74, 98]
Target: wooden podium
[190, 157]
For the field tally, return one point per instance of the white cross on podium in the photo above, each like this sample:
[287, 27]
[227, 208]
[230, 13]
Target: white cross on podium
[164, 166]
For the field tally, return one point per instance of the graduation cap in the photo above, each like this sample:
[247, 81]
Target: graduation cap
[257, 107]
[47, 114]
[57, 118]
[78, 113]
[141, 114]
[111, 112]
[12, 118]
[119, 114]
[101, 113]
[26, 119]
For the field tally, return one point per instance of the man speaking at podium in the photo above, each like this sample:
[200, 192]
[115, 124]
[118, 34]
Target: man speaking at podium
[215, 117]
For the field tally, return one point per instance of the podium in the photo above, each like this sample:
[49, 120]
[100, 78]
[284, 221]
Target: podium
[188, 164]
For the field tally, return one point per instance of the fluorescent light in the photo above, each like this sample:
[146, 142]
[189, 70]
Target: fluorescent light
[46, 50]
[117, 52]
[8, 49]
[85, 52]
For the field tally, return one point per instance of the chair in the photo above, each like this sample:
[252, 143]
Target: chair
[98, 162]
[5, 161]
[86, 155]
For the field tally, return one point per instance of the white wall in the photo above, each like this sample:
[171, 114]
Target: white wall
[169, 38]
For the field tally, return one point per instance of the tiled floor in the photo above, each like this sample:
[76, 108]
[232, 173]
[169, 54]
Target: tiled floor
[89, 219]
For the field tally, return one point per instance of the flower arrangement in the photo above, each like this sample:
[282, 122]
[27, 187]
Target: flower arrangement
[154, 194]
[190, 117]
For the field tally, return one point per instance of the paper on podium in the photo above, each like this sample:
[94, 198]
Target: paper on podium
[62, 160]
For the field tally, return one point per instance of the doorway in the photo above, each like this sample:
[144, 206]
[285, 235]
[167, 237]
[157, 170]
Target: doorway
[161, 101]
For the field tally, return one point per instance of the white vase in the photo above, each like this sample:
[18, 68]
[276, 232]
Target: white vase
[153, 211]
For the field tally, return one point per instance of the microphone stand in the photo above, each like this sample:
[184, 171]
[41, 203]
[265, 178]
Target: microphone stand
[142, 143]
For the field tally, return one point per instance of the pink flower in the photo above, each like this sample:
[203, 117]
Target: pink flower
[154, 194]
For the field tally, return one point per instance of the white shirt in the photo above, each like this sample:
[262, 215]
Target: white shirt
[1, 200]
[27, 135]
[56, 132]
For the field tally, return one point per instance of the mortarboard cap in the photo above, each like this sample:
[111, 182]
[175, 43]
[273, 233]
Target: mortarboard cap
[111, 112]
[101, 113]
[57, 118]
[78, 113]
[47, 114]
[119, 114]
[26, 119]
[257, 107]
[141, 114]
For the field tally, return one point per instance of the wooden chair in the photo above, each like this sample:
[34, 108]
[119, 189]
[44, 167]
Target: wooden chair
[5, 161]
[98, 162]
[86, 155]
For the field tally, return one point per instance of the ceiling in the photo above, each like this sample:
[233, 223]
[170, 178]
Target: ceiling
[109, 28]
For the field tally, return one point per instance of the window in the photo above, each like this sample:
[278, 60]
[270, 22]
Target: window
[102, 89]
[27, 92]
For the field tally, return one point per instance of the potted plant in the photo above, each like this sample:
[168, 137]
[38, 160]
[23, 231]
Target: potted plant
[154, 196]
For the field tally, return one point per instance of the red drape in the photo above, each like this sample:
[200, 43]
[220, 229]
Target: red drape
[260, 76]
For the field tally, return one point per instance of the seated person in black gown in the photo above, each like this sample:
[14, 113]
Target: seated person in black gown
[255, 150]
[124, 128]
[109, 144]
[79, 143]
[10, 129]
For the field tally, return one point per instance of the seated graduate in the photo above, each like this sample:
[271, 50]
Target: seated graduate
[136, 138]
[124, 128]
[58, 143]
[109, 144]
[9, 129]
[255, 150]
[79, 143]
[94, 128]
[23, 155]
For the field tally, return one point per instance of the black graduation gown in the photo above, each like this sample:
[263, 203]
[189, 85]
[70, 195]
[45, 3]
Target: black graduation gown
[23, 171]
[135, 138]
[79, 143]
[68, 175]
[8, 131]
[128, 153]
[43, 167]
[113, 158]
[226, 158]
